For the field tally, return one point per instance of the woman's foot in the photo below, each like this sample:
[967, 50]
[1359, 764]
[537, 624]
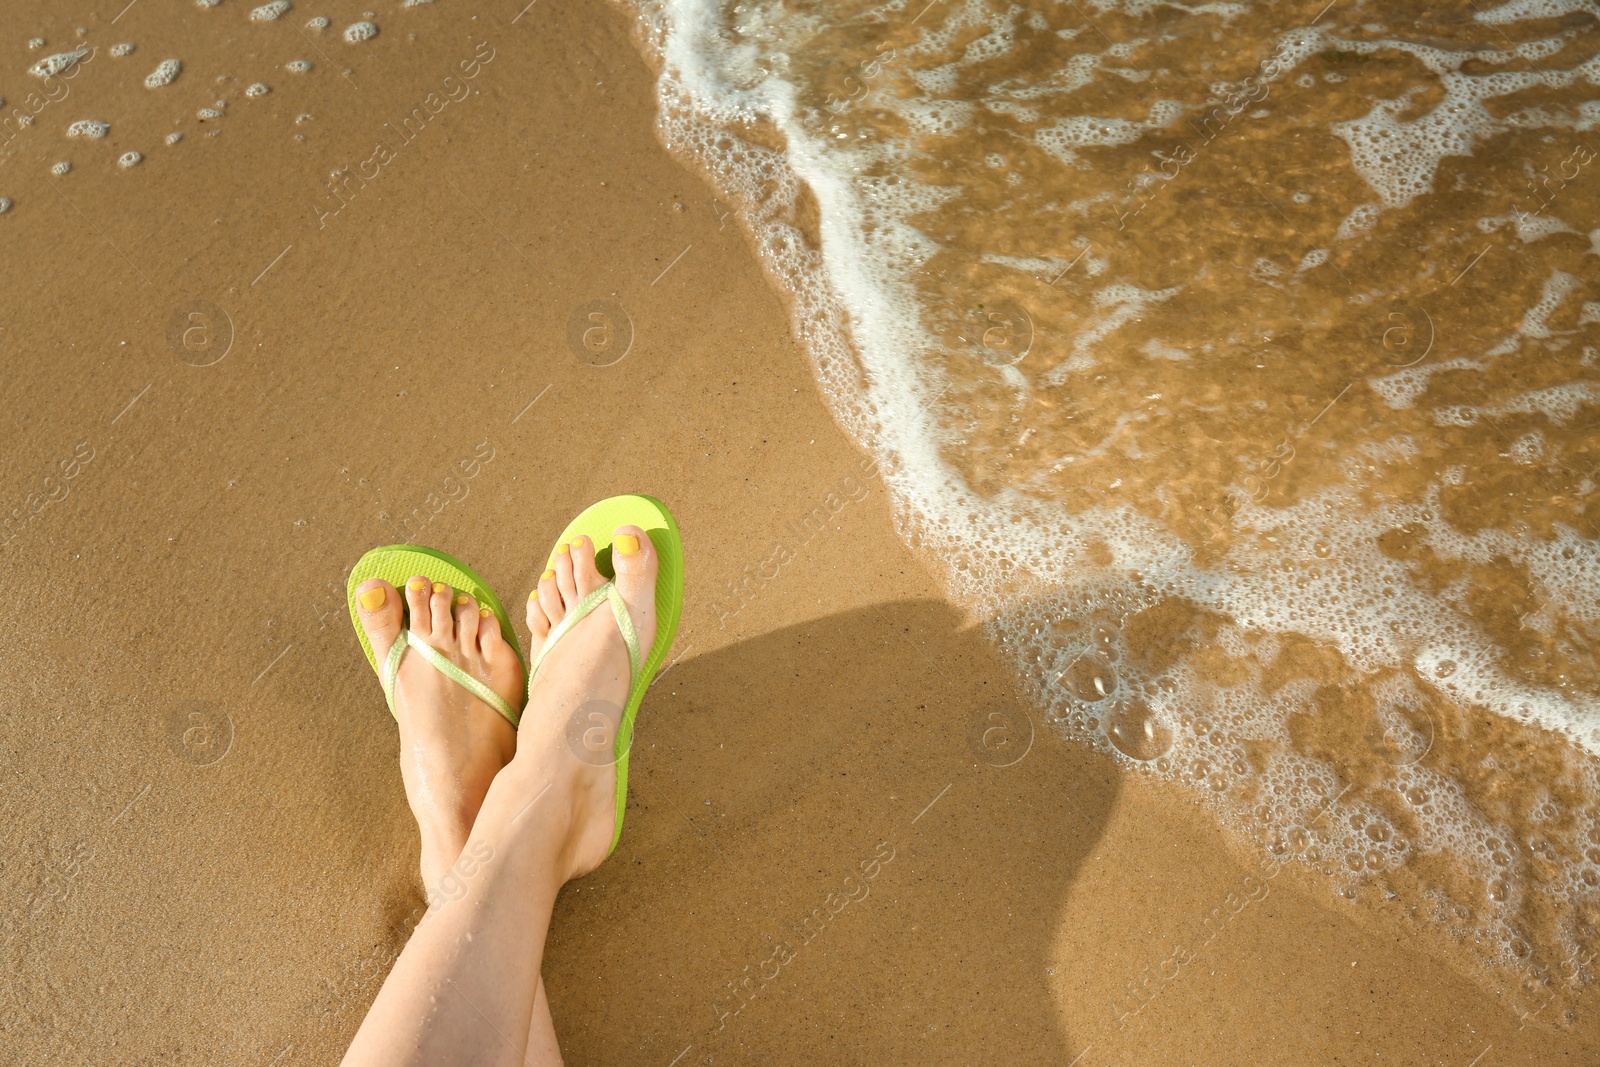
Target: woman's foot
[575, 707]
[451, 743]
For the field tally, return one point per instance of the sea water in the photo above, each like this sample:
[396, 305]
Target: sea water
[1241, 364]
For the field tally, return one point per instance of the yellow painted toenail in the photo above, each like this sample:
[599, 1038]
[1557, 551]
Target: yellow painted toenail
[372, 599]
[462, 598]
[627, 544]
[564, 549]
[439, 587]
[417, 585]
[546, 576]
[533, 596]
[484, 613]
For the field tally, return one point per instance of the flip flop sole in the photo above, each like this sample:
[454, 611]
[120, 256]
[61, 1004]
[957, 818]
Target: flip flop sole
[597, 523]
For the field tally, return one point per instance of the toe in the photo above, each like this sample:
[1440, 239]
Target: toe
[547, 602]
[379, 607]
[466, 622]
[634, 558]
[563, 569]
[440, 601]
[418, 600]
[538, 622]
[490, 640]
[585, 576]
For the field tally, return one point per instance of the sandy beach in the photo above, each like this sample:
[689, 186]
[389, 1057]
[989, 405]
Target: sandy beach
[849, 839]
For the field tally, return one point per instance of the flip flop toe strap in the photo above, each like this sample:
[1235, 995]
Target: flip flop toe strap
[580, 610]
[409, 639]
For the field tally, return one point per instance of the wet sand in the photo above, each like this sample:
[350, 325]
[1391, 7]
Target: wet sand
[205, 852]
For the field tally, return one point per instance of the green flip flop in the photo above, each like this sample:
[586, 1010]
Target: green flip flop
[596, 523]
[396, 564]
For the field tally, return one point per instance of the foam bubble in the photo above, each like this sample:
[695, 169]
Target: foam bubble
[318, 23]
[174, 137]
[50, 66]
[297, 66]
[121, 49]
[1519, 10]
[5, 204]
[257, 89]
[208, 113]
[269, 12]
[165, 73]
[1535, 323]
[35, 43]
[129, 159]
[1361, 219]
[61, 168]
[1399, 157]
[91, 128]
[1529, 228]
[360, 31]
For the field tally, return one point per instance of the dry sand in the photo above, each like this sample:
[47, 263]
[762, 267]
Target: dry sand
[177, 896]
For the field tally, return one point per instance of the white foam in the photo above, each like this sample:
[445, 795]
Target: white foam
[1536, 320]
[1116, 306]
[1081, 131]
[129, 159]
[857, 303]
[257, 89]
[1157, 349]
[1359, 221]
[174, 137]
[61, 168]
[1398, 158]
[121, 49]
[165, 73]
[50, 66]
[5, 204]
[1529, 228]
[270, 12]
[297, 66]
[91, 128]
[1520, 10]
[360, 31]
[1401, 389]
[318, 23]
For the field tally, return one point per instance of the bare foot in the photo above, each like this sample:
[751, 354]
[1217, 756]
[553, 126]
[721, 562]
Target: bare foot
[451, 743]
[581, 687]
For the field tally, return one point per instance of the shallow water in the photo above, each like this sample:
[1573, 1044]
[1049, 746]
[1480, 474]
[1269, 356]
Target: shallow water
[1240, 364]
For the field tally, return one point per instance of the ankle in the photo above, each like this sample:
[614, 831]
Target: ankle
[549, 808]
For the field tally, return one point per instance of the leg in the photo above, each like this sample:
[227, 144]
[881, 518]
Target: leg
[465, 988]
[543, 1048]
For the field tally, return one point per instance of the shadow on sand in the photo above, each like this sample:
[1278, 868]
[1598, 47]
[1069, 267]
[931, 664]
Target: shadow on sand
[847, 841]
